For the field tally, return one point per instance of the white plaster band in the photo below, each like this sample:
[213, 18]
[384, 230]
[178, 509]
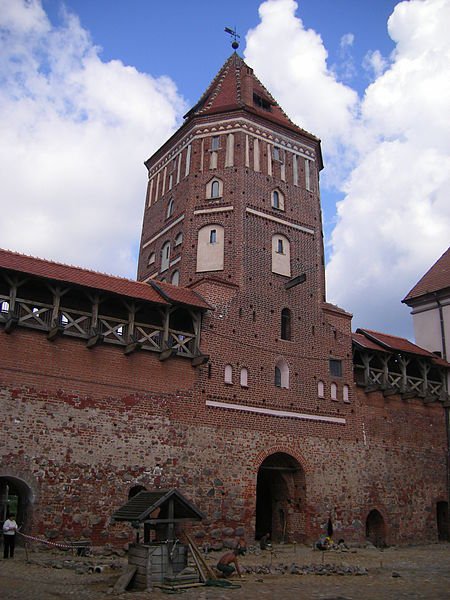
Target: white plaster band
[275, 413]
[158, 235]
[277, 220]
[206, 211]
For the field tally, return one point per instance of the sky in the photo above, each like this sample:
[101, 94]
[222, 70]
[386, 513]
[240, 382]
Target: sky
[90, 89]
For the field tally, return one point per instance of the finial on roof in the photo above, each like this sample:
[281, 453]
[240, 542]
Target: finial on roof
[234, 35]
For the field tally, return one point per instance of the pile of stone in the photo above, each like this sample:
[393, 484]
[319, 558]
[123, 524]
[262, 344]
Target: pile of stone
[293, 569]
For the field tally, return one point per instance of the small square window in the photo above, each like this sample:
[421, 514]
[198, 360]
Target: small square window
[335, 367]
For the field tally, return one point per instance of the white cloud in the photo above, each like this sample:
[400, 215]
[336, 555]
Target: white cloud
[295, 71]
[347, 40]
[394, 221]
[74, 132]
[375, 63]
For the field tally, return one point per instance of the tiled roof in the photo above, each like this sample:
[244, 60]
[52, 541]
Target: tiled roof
[233, 88]
[179, 295]
[435, 279]
[375, 340]
[100, 281]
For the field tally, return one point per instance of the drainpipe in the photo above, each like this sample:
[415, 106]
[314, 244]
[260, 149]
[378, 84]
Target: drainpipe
[441, 322]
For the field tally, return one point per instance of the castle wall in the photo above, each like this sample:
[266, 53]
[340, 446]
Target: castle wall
[82, 427]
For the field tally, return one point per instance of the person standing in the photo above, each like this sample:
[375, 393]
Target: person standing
[9, 536]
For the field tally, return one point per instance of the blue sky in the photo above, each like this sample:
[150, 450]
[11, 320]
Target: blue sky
[90, 89]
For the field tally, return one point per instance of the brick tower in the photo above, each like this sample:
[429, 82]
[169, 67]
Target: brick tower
[233, 211]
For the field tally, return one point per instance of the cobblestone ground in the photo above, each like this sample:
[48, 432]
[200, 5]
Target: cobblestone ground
[395, 573]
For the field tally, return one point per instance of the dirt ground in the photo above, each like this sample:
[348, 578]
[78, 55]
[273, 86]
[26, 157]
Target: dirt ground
[412, 572]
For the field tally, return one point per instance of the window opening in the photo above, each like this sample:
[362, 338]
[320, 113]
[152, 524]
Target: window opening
[333, 391]
[215, 142]
[215, 189]
[170, 207]
[4, 308]
[175, 279]
[285, 324]
[244, 377]
[335, 367]
[261, 102]
[280, 248]
[213, 236]
[228, 376]
[275, 199]
[320, 389]
[178, 239]
[345, 396]
[277, 377]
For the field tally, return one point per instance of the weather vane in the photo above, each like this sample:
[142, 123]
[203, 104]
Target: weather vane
[234, 35]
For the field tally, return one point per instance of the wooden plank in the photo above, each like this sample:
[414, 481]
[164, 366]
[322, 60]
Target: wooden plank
[198, 565]
[208, 570]
[124, 581]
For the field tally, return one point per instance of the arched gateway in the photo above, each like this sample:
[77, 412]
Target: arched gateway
[280, 498]
[16, 497]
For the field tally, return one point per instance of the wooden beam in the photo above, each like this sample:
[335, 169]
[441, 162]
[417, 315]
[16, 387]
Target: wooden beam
[55, 332]
[167, 353]
[133, 347]
[95, 340]
[11, 323]
[199, 360]
[295, 281]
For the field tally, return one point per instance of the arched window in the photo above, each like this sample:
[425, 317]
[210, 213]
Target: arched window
[170, 208]
[151, 258]
[333, 391]
[210, 248]
[320, 389]
[175, 279]
[345, 396]
[178, 239]
[277, 200]
[244, 377]
[285, 324]
[228, 376]
[165, 256]
[282, 374]
[281, 255]
[214, 189]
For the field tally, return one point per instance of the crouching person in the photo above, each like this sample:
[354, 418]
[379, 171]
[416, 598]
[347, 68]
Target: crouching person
[228, 563]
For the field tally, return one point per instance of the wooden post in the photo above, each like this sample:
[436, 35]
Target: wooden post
[148, 571]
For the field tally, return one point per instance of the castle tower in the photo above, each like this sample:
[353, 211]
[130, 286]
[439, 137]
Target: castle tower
[233, 211]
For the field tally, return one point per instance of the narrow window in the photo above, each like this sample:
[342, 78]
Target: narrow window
[276, 153]
[307, 175]
[170, 206]
[335, 367]
[4, 307]
[213, 236]
[165, 256]
[280, 248]
[333, 391]
[275, 199]
[244, 377]
[285, 324]
[215, 189]
[320, 389]
[228, 377]
[179, 239]
[175, 279]
[282, 374]
[277, 377]
[169, 187]
[151, 258]
[345, 396]
[215, 142]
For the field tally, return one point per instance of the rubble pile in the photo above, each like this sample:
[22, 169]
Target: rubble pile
[314, 569]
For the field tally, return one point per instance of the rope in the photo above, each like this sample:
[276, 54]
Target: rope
[55, 544]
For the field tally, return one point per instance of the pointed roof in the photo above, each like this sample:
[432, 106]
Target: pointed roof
[236, 87]
[140, 506]
[435, 279]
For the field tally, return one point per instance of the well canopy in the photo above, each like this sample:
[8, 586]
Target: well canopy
[140, 507]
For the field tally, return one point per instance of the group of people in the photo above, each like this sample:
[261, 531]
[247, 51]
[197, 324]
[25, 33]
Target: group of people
[9, 536]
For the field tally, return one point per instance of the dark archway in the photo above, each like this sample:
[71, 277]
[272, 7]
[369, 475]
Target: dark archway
[280, 497]
[16, 497]
[376, 529]
[442, 521]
